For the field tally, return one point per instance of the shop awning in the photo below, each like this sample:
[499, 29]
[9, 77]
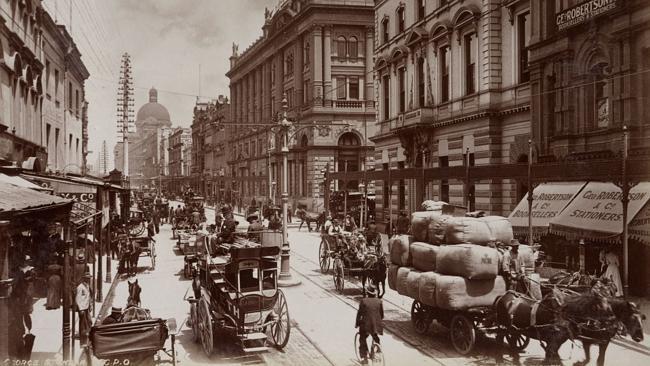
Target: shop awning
[596, 214]
[639, 228]
[549, 200]
[21, 182]
[15, 199]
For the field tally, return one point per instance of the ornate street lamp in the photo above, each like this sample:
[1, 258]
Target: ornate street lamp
[285, 279]
[363, 203]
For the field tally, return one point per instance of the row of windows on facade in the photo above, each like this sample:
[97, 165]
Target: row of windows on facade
[470, 55]
[400, 15]
[55, 152]
[74, 104]
[346, 48]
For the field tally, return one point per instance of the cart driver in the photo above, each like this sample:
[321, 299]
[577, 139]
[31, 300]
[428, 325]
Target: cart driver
[254, 228]
[513, 266]
[115, 317]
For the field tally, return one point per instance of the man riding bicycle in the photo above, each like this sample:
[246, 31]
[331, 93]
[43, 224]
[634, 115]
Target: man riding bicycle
[369, 321]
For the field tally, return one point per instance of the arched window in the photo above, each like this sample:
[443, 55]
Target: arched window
[289, 64]
[306, 55]
[304, 141]
[341, 47]
[384, 30]
[353, 50]
[401, 20]
[349, 139]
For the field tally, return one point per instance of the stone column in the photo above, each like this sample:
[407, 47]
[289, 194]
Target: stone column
[370, 41]
[327, 64]
[317, 69]
[258, 94]
[297, 72]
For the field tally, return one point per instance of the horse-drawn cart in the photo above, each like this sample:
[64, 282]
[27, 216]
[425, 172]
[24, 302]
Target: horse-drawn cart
[146, 246]
[236, 293]
[135, 342]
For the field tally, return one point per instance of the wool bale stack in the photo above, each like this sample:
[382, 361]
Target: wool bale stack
[446, 263]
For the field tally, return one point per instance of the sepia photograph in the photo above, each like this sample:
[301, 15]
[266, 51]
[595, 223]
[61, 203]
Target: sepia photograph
[324, 182]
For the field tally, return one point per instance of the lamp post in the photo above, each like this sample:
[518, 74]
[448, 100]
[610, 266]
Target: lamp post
[363, 203]
[273, 184]
[285, 279]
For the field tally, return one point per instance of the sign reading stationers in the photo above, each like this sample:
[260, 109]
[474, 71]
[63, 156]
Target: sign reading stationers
[584, 11]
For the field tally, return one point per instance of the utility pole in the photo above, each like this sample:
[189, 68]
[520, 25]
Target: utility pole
[125, 111]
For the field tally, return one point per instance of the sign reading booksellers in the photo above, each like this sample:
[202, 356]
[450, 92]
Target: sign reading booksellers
[584, 11]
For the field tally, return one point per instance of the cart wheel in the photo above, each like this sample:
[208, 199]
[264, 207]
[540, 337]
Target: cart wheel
[356, 346]
[339, 275]
[463, 334]
[205, 328]
[281, 329]
[420, 317]
[517, 341]
[194, 322]
[324, 256]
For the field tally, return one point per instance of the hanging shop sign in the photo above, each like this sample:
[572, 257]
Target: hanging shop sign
[77, 196]
[585, 11]
[640, 226]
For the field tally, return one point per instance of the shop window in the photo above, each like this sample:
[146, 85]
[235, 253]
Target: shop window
[523, 35]
[306, 55]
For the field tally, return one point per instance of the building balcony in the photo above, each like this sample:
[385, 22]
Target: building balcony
[341, 106]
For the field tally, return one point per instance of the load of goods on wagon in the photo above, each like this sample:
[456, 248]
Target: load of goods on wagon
[451, 267]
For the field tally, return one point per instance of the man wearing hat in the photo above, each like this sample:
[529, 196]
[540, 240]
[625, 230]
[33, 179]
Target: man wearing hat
[82, 300]
[115, 317]
[512, 266]
[254, 227]
[369, 321]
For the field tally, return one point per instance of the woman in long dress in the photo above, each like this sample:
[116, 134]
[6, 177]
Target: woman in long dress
[613, 273]
[53, 287]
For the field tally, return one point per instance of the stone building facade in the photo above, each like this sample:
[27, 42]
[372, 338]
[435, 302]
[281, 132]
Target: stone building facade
[452, 88]
[319, 55]
[180, 139]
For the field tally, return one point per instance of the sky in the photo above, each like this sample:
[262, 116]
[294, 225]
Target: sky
[168, 40]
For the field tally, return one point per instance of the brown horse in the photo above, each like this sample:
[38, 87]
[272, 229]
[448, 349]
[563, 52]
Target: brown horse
[375, 271]
[627, 321]
[134, 294]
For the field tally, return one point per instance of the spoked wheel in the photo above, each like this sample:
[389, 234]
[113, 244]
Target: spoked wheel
[205, 328]
[339, 275]
[463, 334]
[281, 329]
[324, 256]
[136, 230]
[420, 317]
[517, 341]
[194, 322]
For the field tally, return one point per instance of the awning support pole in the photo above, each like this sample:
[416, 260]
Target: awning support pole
[530, 192]
[625, 200]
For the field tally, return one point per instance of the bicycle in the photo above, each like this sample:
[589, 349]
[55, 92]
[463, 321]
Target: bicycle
[376, 355]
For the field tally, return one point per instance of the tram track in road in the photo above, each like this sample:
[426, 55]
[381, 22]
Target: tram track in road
[352, 303]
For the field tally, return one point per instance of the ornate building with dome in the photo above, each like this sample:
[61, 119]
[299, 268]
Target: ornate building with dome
[152, 125]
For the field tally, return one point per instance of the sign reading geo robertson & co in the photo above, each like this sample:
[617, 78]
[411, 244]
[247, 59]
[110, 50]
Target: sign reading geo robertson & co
[584, 11]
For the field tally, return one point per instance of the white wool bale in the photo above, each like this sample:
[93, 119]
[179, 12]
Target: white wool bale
[427, 288]
[468, 260]
[457, 293]
[413, 284]
[430, 205]
[392, 276]
[398, 247]
[424, 256]
[401, 282]
[420, 224]
[437, 228]
[500, 228]
[472, 230]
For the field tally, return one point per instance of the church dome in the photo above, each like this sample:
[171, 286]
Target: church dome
[153, 109]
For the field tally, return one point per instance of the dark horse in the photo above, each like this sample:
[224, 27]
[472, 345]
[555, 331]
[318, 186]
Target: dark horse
[375, 270]
[134, 294]
[308, 218]
[628, 320]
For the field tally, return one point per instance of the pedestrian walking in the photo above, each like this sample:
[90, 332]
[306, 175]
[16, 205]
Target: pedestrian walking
[289, 214]
[156, 220]
[54, 271]
[82, 301]
[151, 230]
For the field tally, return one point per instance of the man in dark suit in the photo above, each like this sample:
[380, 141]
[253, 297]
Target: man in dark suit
[369, 321]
